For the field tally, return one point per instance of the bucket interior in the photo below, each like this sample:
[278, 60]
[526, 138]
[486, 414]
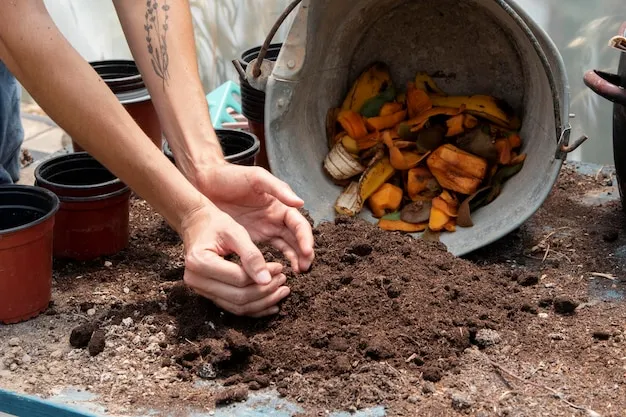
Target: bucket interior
[469, 47]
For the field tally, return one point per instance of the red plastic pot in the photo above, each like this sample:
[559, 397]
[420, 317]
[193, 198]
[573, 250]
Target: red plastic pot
[93, 219]
[27, 218]
[124, 79]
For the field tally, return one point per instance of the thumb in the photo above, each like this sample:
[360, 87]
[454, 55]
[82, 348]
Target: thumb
[268, 183]
[251, 257]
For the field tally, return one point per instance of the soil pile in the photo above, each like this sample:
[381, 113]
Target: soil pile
[373, 303]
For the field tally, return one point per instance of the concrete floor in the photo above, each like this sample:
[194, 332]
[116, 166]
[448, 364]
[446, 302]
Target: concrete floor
[42, 139]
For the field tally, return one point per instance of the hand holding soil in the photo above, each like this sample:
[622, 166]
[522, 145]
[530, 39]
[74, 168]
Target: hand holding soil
[251, 289]
[265, 206]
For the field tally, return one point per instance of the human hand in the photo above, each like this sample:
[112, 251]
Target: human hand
[264, 205]
[252, 289]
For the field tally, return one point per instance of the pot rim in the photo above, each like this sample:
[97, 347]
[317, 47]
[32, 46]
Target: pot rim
[99, 197]
[252, 150]
[32, 189]
[249, 152]
[69, 158]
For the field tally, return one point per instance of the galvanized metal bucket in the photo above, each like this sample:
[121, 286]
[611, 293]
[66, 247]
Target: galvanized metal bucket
[476, 47]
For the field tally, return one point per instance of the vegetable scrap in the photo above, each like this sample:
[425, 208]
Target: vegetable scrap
[419, 159]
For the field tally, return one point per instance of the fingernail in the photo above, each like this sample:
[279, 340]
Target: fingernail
[264, 277]
[284, 292]
[274, 310]
[282, 279]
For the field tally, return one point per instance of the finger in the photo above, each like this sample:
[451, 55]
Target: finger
[255, 307]
[239, 296]
[208, 264]
[238, 240]
[269, 312]
[287, 250]
[263, 181]
[303, 232]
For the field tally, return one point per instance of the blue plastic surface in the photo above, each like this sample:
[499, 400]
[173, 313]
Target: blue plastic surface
[74, 403]
[220, 100]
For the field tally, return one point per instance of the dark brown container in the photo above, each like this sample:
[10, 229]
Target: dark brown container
[124, 79]
[253, 100]
[27, 218]
[93, 219]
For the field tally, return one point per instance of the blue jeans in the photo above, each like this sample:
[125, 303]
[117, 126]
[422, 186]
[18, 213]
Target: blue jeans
[11, 130]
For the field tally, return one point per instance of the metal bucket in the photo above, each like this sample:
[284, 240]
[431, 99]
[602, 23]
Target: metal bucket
[475, 47]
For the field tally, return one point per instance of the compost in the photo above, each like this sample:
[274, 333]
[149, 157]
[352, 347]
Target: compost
[380, 318]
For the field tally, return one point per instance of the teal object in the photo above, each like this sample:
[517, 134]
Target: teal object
[74, 403]
[220, 100]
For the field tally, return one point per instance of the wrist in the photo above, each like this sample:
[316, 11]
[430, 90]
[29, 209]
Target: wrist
[195, 154]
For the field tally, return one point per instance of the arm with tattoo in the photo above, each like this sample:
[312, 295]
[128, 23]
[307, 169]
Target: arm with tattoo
[160, 35]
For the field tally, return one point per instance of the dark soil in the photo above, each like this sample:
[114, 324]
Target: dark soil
[381, 315]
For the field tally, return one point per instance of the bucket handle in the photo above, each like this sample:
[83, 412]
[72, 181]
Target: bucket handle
[607, 85]
[256, 70]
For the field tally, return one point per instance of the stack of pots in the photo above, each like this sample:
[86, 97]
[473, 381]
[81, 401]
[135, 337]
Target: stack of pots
[253, 100]
[125, 81]
[93, 218]
[27, 219]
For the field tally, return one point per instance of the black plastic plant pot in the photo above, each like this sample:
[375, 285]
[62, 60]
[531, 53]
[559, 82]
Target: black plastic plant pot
[253, 53]
[27, 218]
[76, 175]
[253, 100]
[239, 147]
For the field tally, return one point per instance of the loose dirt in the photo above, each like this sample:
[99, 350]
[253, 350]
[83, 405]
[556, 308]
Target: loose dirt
[380, 319]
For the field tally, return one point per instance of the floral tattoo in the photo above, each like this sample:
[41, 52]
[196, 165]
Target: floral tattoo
[156, 30]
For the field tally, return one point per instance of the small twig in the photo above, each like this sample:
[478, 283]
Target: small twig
[601, 275]
[189, 341]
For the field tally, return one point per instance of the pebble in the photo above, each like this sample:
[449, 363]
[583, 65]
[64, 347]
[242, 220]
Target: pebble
[206, 371]
[91, 312]
[461, 402]
[127, 322]
[429, 388]
[487, 337]
[170, 329]
[26, 359]
[57, 354]
[108, 264]
[13, 366]
[126, 290]
[542, 315]
[556, 336]
[15, 341]
[414, 399]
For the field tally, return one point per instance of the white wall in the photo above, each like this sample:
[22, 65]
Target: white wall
[225, 28]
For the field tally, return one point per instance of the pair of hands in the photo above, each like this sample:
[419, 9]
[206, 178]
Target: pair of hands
[250, 205]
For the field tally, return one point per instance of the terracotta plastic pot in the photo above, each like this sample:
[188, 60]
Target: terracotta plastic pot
[124, 79]
[93, 219]
[253, 100]
[27, 218]
[239, 147]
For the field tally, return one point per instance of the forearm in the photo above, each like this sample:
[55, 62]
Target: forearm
[73, 95]
[160, 35]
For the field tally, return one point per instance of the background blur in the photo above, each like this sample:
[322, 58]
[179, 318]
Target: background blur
[225, 28]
